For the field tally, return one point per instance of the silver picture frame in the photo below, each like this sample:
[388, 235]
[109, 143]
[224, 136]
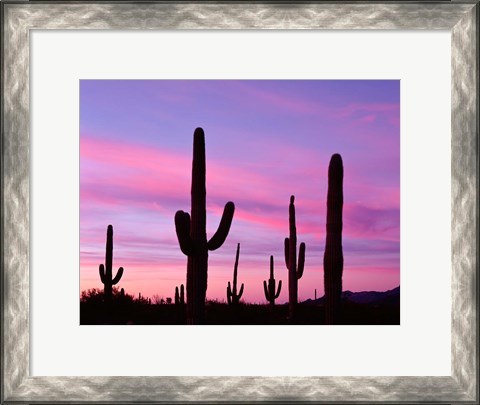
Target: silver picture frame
[460, 18]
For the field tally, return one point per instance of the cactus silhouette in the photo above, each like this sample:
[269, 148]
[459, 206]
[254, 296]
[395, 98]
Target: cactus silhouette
[295, 271]
[269, 289]
[333, 257]
[232, 296]
[180, 297]
[192, 234]
[106, 271]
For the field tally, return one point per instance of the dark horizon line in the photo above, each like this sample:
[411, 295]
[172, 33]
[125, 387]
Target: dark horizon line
[286, 302]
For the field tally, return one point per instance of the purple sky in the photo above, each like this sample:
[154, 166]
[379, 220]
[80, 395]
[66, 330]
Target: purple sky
[265, 140]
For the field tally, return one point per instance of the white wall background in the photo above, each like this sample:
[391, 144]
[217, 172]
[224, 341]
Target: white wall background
[419, 346]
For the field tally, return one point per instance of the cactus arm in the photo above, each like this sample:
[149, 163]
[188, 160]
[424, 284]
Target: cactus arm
[287, 253]
[101, 270]
[301, 261]
[118, 276]
[240, 292]
[279, 289]
[265, 290]
[182, 228]
[222, 232]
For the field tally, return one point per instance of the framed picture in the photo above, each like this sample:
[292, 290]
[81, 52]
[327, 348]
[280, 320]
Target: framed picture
[85, 81]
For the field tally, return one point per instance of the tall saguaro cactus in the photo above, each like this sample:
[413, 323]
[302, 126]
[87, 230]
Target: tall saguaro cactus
[333, 257]
[269, 289]
[106, 271]
[192, 234]
[295, 271]
[232, 296]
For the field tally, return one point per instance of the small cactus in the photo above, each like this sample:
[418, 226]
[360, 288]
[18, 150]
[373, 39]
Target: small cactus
[232, 296]
[106, 271]
[270, 288]
[180, 297]
[192, 234]
[295, 271]
[333, 257]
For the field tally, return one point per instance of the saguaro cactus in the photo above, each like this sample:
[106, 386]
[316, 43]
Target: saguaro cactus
[295, 271]
[192, 234]
[180, 297]
[333, 257]
[106, 271]
[232, 296]
[269, 289]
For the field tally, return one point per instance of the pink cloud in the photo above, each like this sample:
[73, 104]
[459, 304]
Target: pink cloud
[355, 108]
[138, 173]
[367, 119]
[260, 218]
[132, 156]
[289, 103]
[371, 223]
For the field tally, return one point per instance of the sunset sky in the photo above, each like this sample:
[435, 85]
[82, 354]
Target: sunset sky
[265, 140]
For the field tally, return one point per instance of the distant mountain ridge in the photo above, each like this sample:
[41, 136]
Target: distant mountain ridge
[365, 297]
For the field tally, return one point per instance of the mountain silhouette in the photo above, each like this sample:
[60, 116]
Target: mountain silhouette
[365, 297]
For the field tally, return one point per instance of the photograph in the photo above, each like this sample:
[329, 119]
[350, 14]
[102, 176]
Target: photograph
[263, 176]
[239, 202]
